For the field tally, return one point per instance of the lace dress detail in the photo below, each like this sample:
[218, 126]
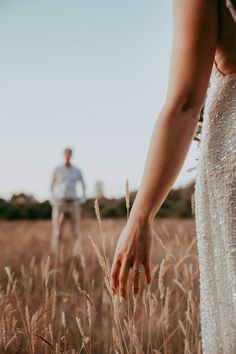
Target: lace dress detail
[215, 205]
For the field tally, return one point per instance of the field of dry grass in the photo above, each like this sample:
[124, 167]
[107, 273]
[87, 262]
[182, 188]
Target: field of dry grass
[64, 305]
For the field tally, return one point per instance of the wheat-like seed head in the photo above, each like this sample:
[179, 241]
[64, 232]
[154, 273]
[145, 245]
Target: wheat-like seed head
[89, 313]
[127, 199]
[161, 279]
[84, 338]
[97, 212]
[63, 319]
[167, 310]
[100, 258]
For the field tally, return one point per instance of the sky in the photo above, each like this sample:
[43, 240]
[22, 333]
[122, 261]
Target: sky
[87, 74]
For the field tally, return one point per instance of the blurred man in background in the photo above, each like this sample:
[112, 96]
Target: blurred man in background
[65, 200]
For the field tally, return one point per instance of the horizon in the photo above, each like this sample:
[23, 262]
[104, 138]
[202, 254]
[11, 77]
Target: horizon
[91, 196]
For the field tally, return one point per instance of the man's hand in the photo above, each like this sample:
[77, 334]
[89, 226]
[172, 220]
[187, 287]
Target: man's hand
[83, 200]
[133, 250]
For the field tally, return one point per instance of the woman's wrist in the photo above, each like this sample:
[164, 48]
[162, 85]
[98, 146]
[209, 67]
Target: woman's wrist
[141, 217]
[143, 211]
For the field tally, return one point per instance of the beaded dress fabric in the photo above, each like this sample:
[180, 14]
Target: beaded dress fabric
[215, 205]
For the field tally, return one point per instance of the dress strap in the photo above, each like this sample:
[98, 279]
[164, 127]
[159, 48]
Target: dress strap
[231, 8]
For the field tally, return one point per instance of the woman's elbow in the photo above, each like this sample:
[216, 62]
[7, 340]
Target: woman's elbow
[188, 103]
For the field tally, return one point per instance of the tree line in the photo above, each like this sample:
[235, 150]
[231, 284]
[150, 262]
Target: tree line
[179, 203]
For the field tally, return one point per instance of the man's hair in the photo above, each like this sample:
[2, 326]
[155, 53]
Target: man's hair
[68, 149]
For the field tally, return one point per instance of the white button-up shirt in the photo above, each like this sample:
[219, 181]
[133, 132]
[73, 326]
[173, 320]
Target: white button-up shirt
[64, 183]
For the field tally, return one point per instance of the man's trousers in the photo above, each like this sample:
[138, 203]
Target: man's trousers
[60, 211]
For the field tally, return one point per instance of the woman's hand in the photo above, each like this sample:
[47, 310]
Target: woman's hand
[133, 250]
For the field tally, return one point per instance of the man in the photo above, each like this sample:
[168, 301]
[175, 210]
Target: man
[65, 200]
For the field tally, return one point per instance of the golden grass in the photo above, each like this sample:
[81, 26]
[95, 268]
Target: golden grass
[65, 305]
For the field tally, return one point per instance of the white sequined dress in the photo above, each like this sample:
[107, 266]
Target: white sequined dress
[215, 206]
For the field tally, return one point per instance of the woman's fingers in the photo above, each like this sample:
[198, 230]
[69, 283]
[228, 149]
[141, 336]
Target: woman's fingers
[148, 272]
[115, 275]
[123, 279]
[120, 275]
[136, 270]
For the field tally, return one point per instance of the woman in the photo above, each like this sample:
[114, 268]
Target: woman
[204, 48]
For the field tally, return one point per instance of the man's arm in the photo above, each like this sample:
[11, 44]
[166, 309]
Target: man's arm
[81, 180]
[52, 184]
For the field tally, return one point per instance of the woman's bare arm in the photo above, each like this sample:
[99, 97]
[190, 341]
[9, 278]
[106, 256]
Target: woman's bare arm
[194, 44]
[193, 50]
